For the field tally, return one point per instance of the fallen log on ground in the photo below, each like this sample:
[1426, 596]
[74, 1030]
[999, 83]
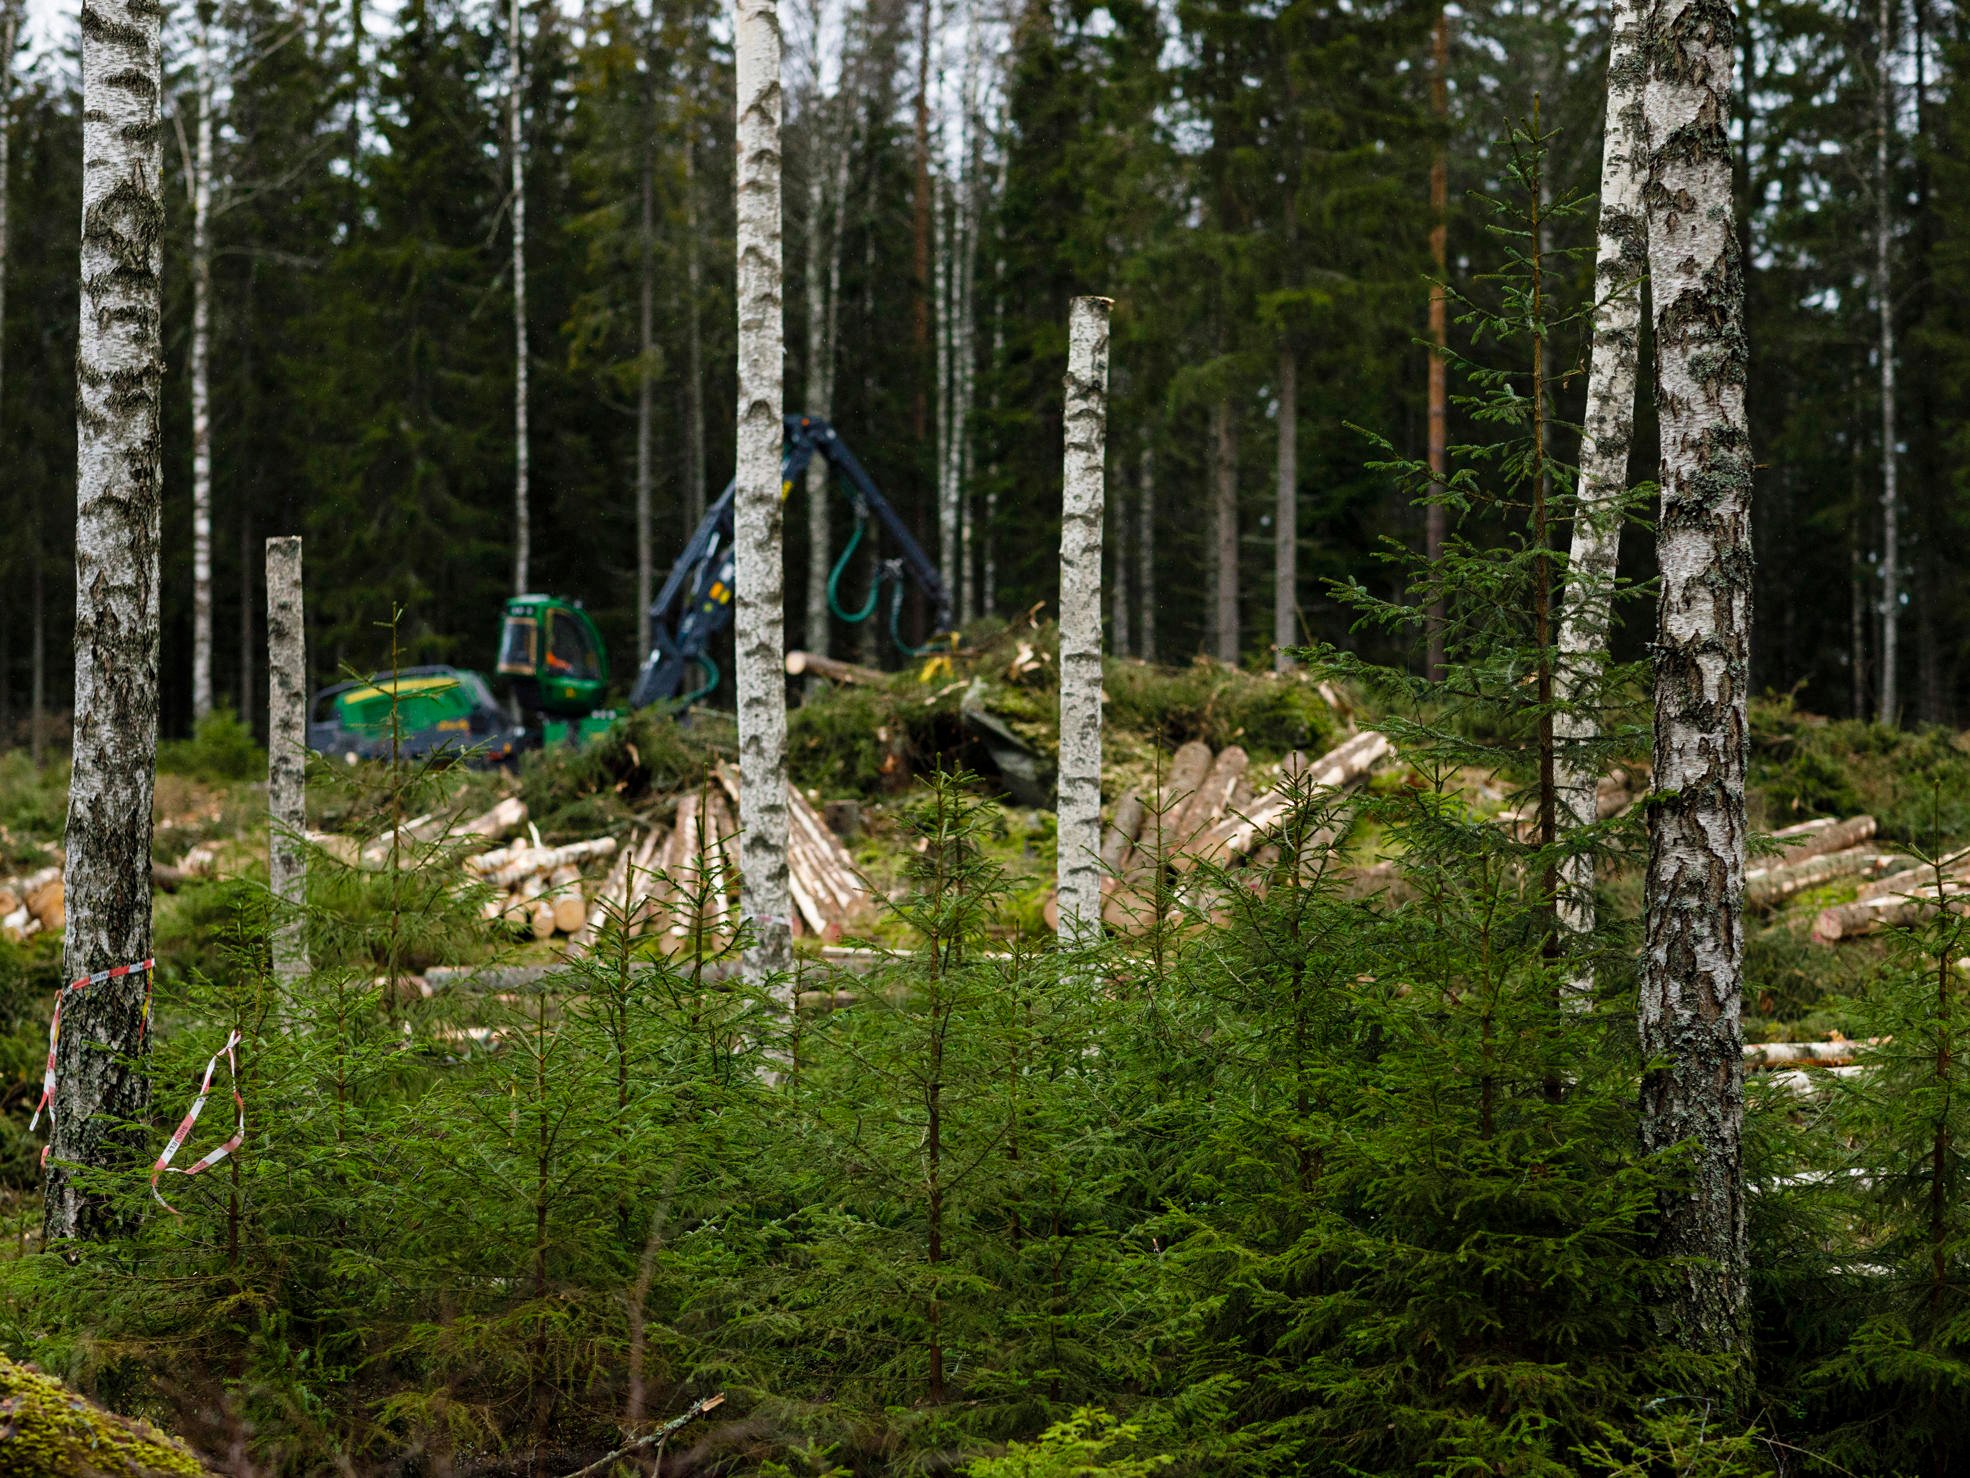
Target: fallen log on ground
[835, 670]
[1814, 838]
[1836, 1053]
[1871, 915]
[1768, 885]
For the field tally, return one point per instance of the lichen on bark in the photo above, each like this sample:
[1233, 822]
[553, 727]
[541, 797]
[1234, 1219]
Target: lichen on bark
[1690, 1002]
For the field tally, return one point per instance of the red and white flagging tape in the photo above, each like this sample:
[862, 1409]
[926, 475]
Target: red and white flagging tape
[148, 967]
[211, 1157]
[149, 970]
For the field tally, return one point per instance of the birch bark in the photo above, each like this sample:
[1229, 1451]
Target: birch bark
[694, 346]
[819, 351]
[201, 376]
[1286, 516]
[101, 1058]
[1586, 616]
[944, 408]
[287, 759]
[1086, 422]
[516, 146]
[1693, 960]
[761, 641]
[1889, 711]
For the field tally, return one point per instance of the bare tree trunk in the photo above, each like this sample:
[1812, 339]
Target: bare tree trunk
[248, 656]
[945, 407]
[1586, 618]
[38, 671]
[819, 350]
[1082, 479]
[1286, 516]
[1224, 531]
[1884, 298]
[761, 639]
[646, 350]
[694, 347]
[101, 1056]
[1120, 638]
[201, 376]
[1439, 406]
[1693, 962]
[10, 19]
[287, 759]
[1145, 549]
[517, 146]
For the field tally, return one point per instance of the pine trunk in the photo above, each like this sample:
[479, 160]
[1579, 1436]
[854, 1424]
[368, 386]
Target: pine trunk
[1286, 516]
[201, 377]
[1145, 550]
[694, 347]
[761, 641]
[1693, 962]
[1586, 618]
[102, 1055]
[1086, 421]
[818, 350]
[646, 349]
[1224, 531]
[516, 145]
[1889, 696]
[287, 759]
[1439, 389]
[920, 207]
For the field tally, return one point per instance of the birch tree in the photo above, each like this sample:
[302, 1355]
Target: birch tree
[516, 147]
[1086, 422]
[200, 180]
[1889, 710]
[101, 1082]
[761, 642]
[1438, 450]
[1693, 959]
[1586, 613]
[694, 341]
[287, 759]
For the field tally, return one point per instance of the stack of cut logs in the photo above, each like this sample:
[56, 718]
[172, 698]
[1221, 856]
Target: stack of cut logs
[1801, 1067]
[680, 884]
[31, 904]
[1208, 809]
[535, 887]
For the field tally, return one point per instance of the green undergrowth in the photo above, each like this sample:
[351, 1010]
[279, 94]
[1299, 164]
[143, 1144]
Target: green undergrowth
[1915, 782]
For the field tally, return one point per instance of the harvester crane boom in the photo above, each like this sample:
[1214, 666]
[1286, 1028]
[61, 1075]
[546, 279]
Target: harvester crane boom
[695, 603]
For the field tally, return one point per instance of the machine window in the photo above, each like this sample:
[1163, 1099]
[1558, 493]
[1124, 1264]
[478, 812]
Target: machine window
[569, 653]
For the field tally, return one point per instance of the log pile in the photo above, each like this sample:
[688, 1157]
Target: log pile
[1208, 811]
[681, 884]
[535, 888]
[32, 904]
[1805, 1067]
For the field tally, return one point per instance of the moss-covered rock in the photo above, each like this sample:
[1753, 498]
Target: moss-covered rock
[48, 1431]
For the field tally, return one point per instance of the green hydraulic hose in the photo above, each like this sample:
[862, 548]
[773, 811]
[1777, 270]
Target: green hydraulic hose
[834, 582]
[710, 683]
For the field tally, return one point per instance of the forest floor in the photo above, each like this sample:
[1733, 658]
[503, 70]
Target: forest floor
[870, 744]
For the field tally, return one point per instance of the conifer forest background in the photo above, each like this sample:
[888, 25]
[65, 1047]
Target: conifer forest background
[1322, 966]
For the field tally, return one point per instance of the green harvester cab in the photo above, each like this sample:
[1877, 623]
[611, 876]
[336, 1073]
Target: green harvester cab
[553, 655]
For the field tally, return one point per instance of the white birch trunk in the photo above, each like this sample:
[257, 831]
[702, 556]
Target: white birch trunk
[1086, 424]
[1286, 516]
[201, 377]
[1224, 532]
[1119, 635]
[287, 760]
[1691, 994]
[1145, 550]
[102, 1056]
[646, 349]
[944, 407]
[1586, 613]
[516, 146]
[761, 640]
[1889, 710]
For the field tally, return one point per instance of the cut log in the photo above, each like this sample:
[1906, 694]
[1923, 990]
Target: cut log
[1769, 885]
[1208, 802]
[1915, 878]
[1816, 838]
[541, 919]
[1871, 915]
[1119, 839]
[539, 861]
[1349, 762]
[46, 904]
[509, 815]
[1787, 1054]
[800, 663]
[570, 911]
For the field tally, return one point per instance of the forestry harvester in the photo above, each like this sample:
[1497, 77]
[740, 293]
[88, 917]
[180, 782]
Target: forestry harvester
[557, 668]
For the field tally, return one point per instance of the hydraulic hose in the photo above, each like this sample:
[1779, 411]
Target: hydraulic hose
[841, 568]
